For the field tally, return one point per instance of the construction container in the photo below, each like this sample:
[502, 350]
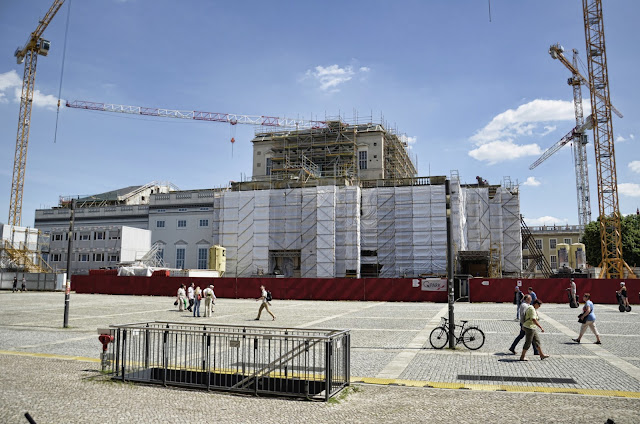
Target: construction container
[578, 256]
[563, 256]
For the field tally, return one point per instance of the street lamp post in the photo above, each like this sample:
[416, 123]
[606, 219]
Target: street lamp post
[67, 289]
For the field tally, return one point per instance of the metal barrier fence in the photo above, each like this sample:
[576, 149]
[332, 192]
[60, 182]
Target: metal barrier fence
[307, 363]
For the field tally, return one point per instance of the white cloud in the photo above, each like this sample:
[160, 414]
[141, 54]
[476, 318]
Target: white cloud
[499, 151]
[629, 189]
[546, 220]
[10, 81]
[621, 139]
[635, 166]
[409, 141]
[531, 181]
[332, 76]
[496, 141]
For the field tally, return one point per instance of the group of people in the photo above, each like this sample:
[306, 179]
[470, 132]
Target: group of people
[190, 299]
[527, 313]
[15, 284]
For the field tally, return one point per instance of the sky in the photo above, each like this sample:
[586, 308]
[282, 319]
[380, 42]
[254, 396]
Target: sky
[469, 82]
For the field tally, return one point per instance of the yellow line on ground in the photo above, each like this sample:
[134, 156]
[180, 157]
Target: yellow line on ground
[49, 356]
[494, 387]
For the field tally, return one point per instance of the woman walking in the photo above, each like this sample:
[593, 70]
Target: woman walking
[531, 321]
[588, 319]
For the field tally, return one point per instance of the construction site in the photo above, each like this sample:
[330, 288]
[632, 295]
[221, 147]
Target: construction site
[327, 198]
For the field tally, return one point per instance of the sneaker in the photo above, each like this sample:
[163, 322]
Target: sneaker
[544, 357]
[523, 359]
[598, 342]
[576, 340]
[256, 319]
[513, 352]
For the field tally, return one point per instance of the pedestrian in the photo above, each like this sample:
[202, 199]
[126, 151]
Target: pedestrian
[532, 294]
[526, 301]
[15, 284]
[531, 321]
[588, 319]
[190, 291]
[573, 291]
[197, 297]
[517, 299]
[24, 284]
[623, 293]
[209, 300]
[181, 298]
[265, 304]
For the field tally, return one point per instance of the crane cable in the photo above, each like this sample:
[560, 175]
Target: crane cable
[64, 54]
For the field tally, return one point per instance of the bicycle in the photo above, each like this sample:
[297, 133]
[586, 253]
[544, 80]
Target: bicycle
[472, 337]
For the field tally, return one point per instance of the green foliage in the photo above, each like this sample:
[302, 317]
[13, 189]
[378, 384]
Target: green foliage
[630, 227]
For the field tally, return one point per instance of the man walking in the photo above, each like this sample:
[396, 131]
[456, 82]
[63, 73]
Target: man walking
[526, 301]
[190, 291]
[265, 304]
[15, 284]
[209, 300]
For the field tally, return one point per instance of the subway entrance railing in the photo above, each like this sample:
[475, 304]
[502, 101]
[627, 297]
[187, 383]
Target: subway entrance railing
[306, 363]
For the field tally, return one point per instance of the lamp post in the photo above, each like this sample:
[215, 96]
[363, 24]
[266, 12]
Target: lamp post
[450, 270]
[67, 289]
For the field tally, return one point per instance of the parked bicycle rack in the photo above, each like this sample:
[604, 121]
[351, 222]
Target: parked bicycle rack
[306, 363]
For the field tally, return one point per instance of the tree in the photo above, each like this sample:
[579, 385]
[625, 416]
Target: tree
[630, 228]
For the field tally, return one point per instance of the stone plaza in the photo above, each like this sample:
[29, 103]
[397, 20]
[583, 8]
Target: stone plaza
[52, 372]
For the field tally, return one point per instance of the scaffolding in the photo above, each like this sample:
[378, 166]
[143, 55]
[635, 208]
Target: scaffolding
[331, 151]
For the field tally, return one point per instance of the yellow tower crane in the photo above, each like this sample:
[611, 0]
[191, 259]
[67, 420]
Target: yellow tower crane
[612, 264]
[35, 45]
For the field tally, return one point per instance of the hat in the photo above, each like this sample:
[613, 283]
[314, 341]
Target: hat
[622, 283]
[211, 286]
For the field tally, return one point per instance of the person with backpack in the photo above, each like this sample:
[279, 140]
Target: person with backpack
[265, 296]
[209, 300]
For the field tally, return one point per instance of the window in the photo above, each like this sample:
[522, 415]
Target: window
[204, 222]
[182, 223]
[362, 159]
[539, 267]
[182, 209]
[180, 253]
[204, 209]
[57, 237]
[99, 235]
[202, 257]
[159, 224]
[161, 210]
[554, 261]
[567, 240]
[268, 166]
[539, 244]
[552, 243]
[56, 257]
[525, 264]
[114, 258]
[98, 257]
[83, 257]
[84, 237]
[160, 253]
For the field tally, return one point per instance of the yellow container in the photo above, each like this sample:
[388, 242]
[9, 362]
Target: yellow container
[578, 256]
[218, 259]
[564, 257]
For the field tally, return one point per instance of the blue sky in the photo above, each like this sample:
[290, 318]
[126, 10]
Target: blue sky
[477, 96]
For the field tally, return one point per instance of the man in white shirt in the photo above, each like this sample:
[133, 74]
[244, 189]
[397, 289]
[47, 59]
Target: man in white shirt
[265, 304]
[190, 292]
[209, 300]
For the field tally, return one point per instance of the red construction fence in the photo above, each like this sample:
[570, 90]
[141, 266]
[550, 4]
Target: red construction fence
[551, 290]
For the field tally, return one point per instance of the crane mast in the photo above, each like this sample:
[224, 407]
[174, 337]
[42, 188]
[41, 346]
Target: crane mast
[609, 210]
[35, 46]
[580, 152]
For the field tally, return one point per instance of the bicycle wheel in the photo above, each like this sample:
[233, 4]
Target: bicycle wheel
[438, 337]
[472, 338]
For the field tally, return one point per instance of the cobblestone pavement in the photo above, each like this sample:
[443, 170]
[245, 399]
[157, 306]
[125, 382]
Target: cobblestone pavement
[52, 372]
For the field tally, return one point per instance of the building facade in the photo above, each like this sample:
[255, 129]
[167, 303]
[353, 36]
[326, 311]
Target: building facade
[547, 239]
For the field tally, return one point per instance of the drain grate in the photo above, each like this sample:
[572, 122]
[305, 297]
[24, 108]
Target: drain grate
[508, 379]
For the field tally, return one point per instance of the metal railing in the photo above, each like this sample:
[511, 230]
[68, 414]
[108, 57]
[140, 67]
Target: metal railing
[306, 363]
